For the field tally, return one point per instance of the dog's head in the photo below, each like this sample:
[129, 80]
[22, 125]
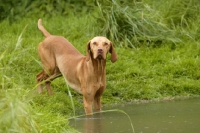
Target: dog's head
[98, 47]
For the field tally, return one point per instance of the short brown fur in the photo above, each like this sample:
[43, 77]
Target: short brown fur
[85, 74]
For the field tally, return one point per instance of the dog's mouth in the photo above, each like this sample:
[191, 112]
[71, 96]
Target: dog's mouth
[99, 56]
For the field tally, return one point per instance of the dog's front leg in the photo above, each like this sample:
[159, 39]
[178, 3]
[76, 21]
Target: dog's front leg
[88, 101]
[97, 99]
[97, 103]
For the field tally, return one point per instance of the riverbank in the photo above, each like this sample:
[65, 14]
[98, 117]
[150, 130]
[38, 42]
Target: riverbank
[155, 73]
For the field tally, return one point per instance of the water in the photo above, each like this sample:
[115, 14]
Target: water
[179, 116]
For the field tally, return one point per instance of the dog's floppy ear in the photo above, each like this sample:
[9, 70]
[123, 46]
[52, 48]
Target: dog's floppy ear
[88, 51]
[114, 56]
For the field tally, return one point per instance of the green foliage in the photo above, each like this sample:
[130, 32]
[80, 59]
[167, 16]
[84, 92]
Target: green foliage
[20, 113]
[16, 112]
[128, 23]
[149, 22]
[133, 24]
[14, 10]
[154, 73]
[178, 12]
[179, 15]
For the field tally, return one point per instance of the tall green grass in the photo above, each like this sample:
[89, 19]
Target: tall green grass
[129, 23]
[16, 9]
[133, 24]
[180, 15]
[149, 22]
[16, 112]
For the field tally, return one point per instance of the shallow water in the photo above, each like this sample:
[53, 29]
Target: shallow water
[179, 116]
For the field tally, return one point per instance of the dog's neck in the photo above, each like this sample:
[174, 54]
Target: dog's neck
[98, 66]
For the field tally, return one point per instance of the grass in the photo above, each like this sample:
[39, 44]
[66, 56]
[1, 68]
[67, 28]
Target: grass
[143, 72]
[146, 23]
[155, 73]
[135, 24]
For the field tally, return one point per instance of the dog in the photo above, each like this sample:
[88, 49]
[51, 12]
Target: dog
[85, 74]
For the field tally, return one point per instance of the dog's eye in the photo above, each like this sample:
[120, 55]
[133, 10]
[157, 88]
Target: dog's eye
[105, 44]
[94, 43]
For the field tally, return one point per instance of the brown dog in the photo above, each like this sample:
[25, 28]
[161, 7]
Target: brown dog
[85, 74]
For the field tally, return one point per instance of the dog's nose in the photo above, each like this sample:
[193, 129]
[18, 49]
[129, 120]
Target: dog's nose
[100, 50]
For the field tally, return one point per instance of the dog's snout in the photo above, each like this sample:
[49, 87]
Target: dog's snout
[100, 50]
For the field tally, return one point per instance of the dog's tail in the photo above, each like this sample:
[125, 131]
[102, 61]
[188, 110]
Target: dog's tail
[41, 28]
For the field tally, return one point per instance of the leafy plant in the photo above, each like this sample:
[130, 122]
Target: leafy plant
[16, 112]
[13, 10]
[134, 24]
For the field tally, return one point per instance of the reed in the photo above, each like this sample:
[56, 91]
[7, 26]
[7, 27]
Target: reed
[133, 24]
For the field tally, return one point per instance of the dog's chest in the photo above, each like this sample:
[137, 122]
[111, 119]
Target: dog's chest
[74, 86]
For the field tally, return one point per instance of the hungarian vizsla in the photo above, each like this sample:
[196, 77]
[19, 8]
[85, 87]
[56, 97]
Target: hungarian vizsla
[85, 74]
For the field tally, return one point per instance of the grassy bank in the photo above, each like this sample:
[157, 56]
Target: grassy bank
[155, 73]
[147, 69]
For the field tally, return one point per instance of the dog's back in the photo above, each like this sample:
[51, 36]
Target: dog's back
[57, 44]
[58, 55]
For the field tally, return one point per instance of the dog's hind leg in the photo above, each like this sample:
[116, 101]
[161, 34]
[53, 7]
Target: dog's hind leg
[40, 77]
[56, 74]
[47, 78]
[49, 65]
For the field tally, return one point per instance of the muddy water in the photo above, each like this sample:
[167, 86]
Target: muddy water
[179, 116]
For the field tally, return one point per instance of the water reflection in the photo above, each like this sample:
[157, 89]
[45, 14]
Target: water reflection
[110, 122]
[180, 116]
[92, 124]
